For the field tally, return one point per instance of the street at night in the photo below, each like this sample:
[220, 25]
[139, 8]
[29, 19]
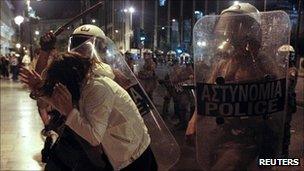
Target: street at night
[152, 85]
[20, 125]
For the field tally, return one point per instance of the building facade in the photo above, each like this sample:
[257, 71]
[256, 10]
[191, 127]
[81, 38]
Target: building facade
[8, 29]
[168, 24]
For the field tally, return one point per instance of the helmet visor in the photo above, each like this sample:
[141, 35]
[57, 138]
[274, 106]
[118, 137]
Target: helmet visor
[77, 40]
[237, 29]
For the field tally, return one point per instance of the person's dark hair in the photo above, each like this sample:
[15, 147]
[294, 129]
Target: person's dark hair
[69, 69]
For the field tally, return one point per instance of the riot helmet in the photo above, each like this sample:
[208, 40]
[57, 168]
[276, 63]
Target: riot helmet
[171, 57]
[89, 37]
[128, 55]
[185, 58]
[289, 53]
[238, 28]
[147, 53]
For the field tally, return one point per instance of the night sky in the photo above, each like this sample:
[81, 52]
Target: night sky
[51, 9]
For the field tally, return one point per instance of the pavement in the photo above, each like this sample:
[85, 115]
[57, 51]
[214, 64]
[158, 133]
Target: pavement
[20, 129]
[187, 160]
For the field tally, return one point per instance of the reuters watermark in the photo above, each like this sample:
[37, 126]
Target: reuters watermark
[279, 162]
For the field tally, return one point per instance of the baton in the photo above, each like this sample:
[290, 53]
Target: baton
[63, 27]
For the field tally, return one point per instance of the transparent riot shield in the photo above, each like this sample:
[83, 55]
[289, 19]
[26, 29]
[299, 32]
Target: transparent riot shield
[163, 144]
[240, 88]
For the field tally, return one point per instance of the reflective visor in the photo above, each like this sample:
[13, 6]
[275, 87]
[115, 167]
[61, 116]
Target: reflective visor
[237, 29]
[77, 40]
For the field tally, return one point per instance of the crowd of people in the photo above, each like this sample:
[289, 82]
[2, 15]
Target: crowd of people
[10, 65]
[179, 76]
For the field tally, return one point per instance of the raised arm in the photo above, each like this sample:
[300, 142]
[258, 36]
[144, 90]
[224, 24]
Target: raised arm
[47, 44]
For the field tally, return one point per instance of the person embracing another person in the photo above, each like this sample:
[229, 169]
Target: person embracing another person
[103, 129]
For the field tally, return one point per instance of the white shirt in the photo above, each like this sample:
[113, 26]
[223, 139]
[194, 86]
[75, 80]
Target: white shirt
[108, 116]
[26, 59]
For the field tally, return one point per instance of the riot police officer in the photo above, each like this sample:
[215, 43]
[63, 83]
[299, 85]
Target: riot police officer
[146, 75]
[237, 50]
[178, 74]
[288, 51]
[129, 60]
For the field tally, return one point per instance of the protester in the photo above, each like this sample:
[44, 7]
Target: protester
[14, 67]
[98, 112]
[4, 67]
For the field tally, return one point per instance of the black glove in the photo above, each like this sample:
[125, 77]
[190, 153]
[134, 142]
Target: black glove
[47, 42]
[45, 152]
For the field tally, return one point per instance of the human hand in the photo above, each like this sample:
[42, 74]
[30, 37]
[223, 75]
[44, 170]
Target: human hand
[293, 72]
[191, 130]
[190, 134]
[31, 78]
[47, 42]
[61, 99]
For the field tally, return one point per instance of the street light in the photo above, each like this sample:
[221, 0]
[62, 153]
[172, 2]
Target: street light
[163, 28]
[173, 20]
[37, 32]
[18, 20]
[116, 31]
[142, 38]
[93, 21]
[131, 10]
[201, 43]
